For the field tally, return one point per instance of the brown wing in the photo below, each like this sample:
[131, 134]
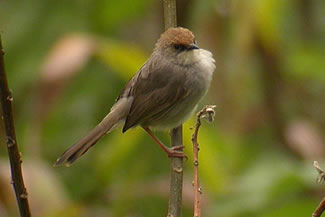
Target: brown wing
[155, 91]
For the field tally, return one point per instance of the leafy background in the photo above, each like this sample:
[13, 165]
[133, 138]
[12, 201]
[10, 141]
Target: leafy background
[67, 61]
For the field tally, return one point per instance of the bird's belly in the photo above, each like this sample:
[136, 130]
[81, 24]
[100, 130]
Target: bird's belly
[174, 118]
[178, 113]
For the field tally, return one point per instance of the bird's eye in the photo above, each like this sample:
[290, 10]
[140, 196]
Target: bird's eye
[177, 46]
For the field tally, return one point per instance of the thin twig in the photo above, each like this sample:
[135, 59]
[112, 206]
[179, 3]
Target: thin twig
[176, 135]
[321, 177]
[14, 155]
[208, 113]
[320, 209]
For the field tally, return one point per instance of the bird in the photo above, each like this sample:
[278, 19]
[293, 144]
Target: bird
[162, 95]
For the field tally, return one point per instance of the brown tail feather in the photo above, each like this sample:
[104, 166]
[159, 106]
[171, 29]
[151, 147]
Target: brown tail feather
[78, 149]
[110, 122]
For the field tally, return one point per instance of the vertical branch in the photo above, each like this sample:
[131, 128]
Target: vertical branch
[176, 135]
[14, 155]
[170, 18]
[176, 176]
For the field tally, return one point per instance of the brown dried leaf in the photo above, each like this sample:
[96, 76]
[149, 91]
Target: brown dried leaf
[67, 57]
[305, 138]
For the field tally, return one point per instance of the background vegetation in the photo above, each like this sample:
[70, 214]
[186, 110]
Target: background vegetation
[67, 61]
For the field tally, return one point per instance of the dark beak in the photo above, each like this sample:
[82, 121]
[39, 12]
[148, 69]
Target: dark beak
[192, 47]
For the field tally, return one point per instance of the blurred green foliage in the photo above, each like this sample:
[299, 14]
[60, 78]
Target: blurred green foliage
[67, 61]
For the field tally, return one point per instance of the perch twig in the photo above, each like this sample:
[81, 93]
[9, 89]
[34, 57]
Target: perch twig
[176, 135]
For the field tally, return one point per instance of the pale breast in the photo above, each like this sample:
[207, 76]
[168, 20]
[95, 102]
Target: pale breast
[198, 77]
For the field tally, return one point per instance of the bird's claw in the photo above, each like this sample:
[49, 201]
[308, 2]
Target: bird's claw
[173, 152]
[177, 147]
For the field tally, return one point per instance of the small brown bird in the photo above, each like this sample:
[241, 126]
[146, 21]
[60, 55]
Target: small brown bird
[162, 95]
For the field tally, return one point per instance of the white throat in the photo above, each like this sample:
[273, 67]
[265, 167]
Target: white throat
[196, 56]
[200, 59]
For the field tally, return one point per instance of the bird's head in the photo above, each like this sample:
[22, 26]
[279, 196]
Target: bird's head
[177, 44]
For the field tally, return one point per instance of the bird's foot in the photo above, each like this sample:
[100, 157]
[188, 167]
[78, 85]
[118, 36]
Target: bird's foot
[178, 147]
[175, 152]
